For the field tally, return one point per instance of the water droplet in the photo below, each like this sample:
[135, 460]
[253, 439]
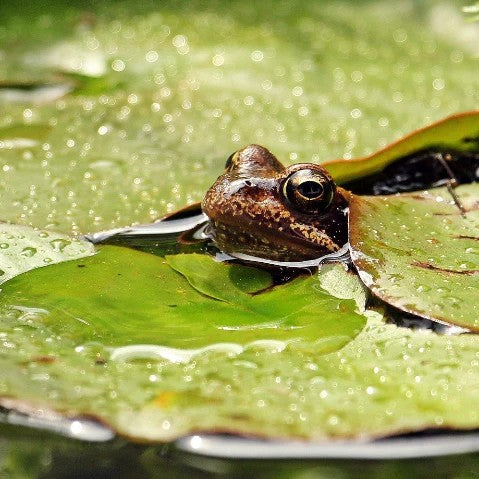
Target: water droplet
[28, 252]
[58, 245]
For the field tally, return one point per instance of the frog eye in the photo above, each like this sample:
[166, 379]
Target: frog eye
[309, 191]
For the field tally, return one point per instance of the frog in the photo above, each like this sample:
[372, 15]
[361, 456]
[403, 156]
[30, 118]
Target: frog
[261, 208]
[291, 220]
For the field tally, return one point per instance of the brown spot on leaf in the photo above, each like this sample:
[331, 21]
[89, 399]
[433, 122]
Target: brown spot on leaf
[165, 399]
[46, 359]
[467, 237]
[420, 197]
[424, 265]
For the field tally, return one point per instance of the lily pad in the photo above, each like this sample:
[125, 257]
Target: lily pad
[228, 283]
[23, 248]
[124, 337]
[419, 253]
[311, 81]
[394, 380]
[121, 296]
[160, 104]
[459, 132]
[127, 306]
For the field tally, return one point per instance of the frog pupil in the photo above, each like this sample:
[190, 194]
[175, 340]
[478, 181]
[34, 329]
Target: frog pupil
[310, 189]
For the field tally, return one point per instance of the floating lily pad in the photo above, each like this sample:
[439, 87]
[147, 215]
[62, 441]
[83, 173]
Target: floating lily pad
[394, 380]
[157, 110]
[124, 337]
[309, 81]
[121, 296]
[458, 132]
[23, 248]
[129, 306]
[419, 253]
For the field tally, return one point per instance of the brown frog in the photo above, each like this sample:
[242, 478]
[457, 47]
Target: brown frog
[261, 208]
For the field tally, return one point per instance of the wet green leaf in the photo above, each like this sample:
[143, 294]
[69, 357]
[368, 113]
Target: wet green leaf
[122, 336]
[124, 305]
[388, 380]
[459, 132]
[157, 110]
[23, 248]
[417, 252]
[121, 296]
[228, 283]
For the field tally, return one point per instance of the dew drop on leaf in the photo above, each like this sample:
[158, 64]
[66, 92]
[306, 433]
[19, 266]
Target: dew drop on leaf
[28, 251]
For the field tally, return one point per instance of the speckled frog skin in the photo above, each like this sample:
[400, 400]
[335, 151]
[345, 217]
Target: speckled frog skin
[259, 207]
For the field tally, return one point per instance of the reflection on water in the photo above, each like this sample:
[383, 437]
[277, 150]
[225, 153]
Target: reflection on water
[177, 355]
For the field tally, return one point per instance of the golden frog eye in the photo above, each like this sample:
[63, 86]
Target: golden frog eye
[309, 191]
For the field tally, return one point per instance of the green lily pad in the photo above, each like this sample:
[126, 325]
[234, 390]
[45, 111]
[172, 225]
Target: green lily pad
[23, 248]
[124, 337]
[121, 296]
[458, 132]
[228, 283]
[158, 109]
[127, 306]
[394, 379]
[310, 81]
[418, 253]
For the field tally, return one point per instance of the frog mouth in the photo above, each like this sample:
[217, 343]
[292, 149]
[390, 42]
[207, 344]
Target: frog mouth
[343, 255]
[268, 243]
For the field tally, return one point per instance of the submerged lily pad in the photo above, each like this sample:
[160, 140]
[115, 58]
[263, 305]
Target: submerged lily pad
[227, 283]
[418, 253]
